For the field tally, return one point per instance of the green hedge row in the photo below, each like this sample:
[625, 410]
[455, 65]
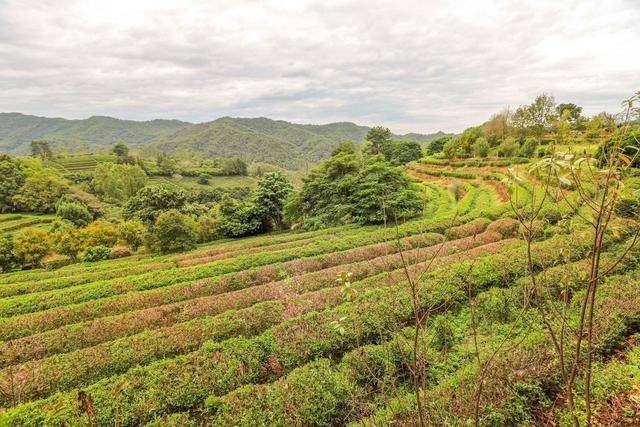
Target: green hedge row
[218, 368]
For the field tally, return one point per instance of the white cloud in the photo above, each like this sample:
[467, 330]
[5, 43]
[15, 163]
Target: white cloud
[411, 65]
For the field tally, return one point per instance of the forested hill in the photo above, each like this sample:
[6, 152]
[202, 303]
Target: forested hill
[92, 134]
[279, 142]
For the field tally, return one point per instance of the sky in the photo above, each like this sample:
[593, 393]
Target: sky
[413, 66]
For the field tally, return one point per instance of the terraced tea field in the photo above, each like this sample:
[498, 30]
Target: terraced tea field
[311, 328]
[11, 223]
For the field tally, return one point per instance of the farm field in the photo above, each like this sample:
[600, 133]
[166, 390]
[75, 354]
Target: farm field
[314, 328]
[80, 162]
[11, 223]
[191, 183]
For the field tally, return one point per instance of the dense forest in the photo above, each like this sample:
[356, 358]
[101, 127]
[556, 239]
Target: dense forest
[288, 145]
[259, 272]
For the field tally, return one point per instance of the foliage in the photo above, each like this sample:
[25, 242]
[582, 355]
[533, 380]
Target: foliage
[69, 241]
[7, 258]
[99, 233]
[96, 253]
[41, 149]
[344, 147]
[74, 211]
[437, 145]
[122, 154]
[203, 178]
[40, 192]
[508, 148]
[529, 147]
[450, 149]
[132, 233]
[118, 182]
[269, 198]
[150, 201]
[208, 229]
[403, 152]
[350, 188]
[257, 169]
[481, 147]
[378, 140]
[173, 232]
[31, 245]
[629, 147]
[12, 178]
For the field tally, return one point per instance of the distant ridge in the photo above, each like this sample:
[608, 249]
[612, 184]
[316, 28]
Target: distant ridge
[286, 144]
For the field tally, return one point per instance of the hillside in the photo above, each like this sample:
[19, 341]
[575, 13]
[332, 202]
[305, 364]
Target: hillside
[279, 142]
[248, 332]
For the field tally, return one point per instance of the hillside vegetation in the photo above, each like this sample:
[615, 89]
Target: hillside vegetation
[278, 142]
[489, 280]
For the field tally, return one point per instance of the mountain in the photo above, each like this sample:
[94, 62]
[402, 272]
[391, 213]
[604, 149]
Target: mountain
[92, 134]
[286, 144]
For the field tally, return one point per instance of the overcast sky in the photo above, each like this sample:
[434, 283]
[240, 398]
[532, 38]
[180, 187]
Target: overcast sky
[410, 65]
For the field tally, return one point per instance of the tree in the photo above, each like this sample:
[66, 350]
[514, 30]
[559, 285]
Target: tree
[99, 233]
[481, 147]
[403, 152]
[41, 149]
[466, 140]
[450, 149]
[270, 196]
[12, 177]
[573, 112]
[40, 193]
[166, 165]
[96, 253]
[437, 144]
[174, 232]
[203, 178]
[344, 147]
[497, 127]
[562, 126]
[379, 140]
[118, 182]
[234, 166]
[529, 147]
[349, 188]
[122, 154]
[8, 260]
[74, 211]
[68, 241]
[509, 147]
[132, 234]
[150, 201]
[536, 118]
[31, 245]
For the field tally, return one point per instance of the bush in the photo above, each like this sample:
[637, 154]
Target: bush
[173, 232]
[132, 234]
[99, 233]
[39, 193]
[257, 169]
[208, 229]
[529, 147]
[96, 253]
[481, 147]
[31, 246]
[8, 261]
[150, 201]
[508, 148]
[119, 252]
[203, 179]
[73, 211]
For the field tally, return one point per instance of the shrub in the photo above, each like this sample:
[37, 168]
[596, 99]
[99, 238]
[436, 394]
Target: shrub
[73, 211]
[208, 229]
[173, 232]
[7, 259]
[508, 148]
[203, 178]
[99, 233]
[481, 147]
[68, 241]
[132, 234]
[96, 253]
[529, 147]
[31, 245]
[40, 193]
[150, 201]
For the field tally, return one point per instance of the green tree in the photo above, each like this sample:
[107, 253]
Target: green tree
[509, 147]
[536, 118]
[344, 147]
[437, 145]
[466, 140]
[173, 232]
[74, 211]
[529, 147]
[572, 112]
[403, 152]
[150, 201]
[118, 182]
[450, 149]
[167, 166]
[269, 198]
[99, 233]
[122, 154]
[8, 260]
[31, 245]
[132, 234]
[40, 192]
[379, 140]
[41, 149]
[481, 147]
[12, 178]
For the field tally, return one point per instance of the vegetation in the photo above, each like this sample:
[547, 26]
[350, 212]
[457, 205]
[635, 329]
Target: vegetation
[489, 280]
